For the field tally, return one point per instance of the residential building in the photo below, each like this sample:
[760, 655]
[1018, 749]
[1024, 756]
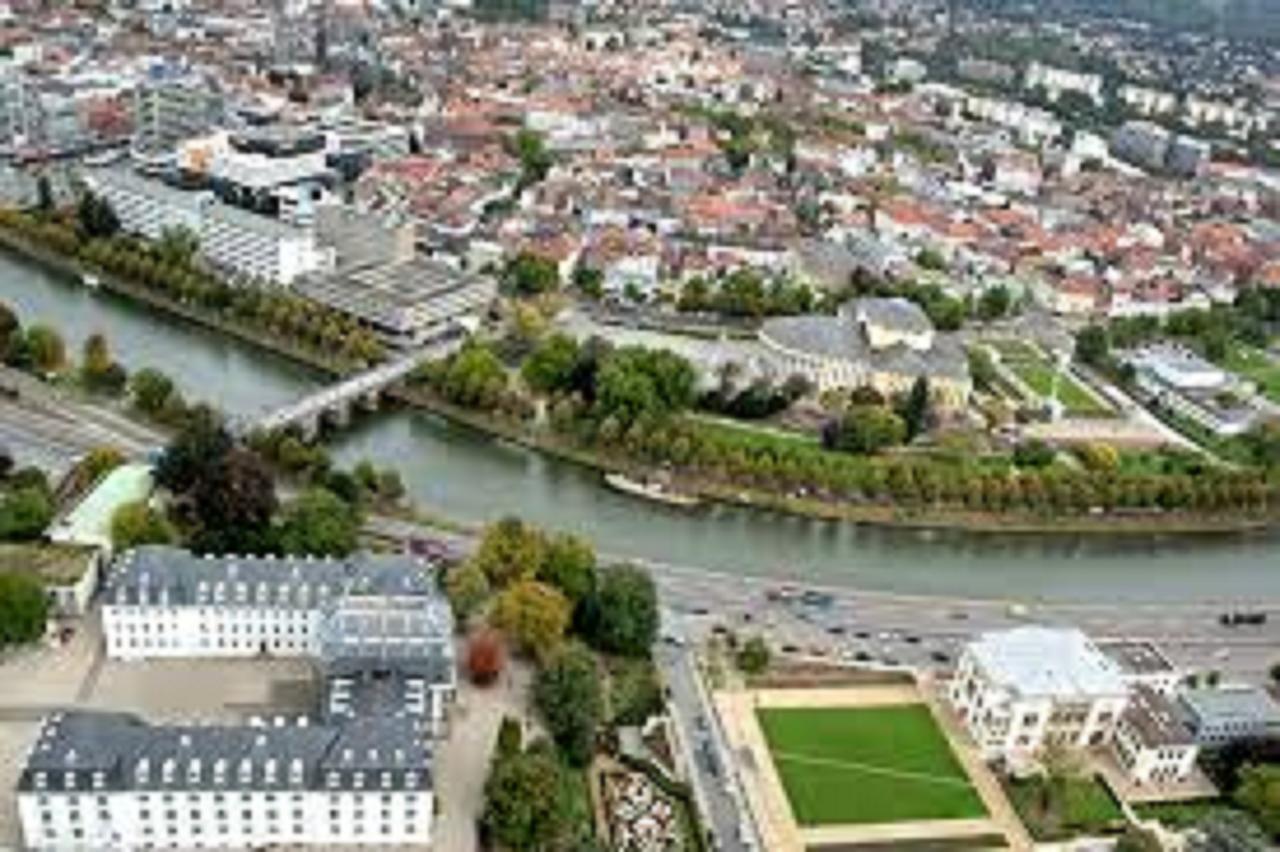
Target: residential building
[1152, 743]
[168, 109]
[1058, 81]
[1021, 690]
[887, 344]
[1219, 715]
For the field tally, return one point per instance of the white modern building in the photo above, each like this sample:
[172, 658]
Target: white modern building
[359, 773]
[1021, 690]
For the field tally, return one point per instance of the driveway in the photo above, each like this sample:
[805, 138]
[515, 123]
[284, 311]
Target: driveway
[462, 764]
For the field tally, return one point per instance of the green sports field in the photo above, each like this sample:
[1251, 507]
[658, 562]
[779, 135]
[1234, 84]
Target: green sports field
[848, 765]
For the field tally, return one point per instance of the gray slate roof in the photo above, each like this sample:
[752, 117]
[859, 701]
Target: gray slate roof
[155, 573]
[133, 755]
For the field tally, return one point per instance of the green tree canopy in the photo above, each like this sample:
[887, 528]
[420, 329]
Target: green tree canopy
[567, 693]
[569, 564]
[528, 802]
[551, 365]
[317, 522]
[625, 612]
[137, 523]
[24, 608]
[510, 550]
[25, 512]
[534, 615]
[865, 429]
[467, 588]
[1259, 794]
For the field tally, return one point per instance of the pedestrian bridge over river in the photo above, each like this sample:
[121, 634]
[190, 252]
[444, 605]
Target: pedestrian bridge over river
[334, 403]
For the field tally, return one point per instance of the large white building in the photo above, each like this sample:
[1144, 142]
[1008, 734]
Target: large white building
[358, 773]
[1021, 690]
[243, 243]
[1152, 743]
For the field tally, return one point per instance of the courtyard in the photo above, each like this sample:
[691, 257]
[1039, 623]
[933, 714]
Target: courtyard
[864, 764]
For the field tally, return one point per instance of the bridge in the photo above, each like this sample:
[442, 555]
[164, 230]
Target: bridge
[334, 403]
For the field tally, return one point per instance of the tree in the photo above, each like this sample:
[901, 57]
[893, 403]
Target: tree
[150, 389]
[177, 245]
[44, 196]
[137, 523]
[550, 366]
[24, 608]
[200, 444]
[568, 695]
[535, 162]
[467, 588]
[533, 614]
[569, 564]
[1033, 453]
[1259, 794]
[25, 512]
[510, 738]
[1093, 346]
[98, 370]
[527, 802]
[994, 303]
[916, 410]
[318, 523]
[95, 216]
[529, 274]
[753, 657]
[485, 657]
[865, 430]
[625, 618]
[46, 348]
[234, 501]
[510, 550]
[8, 322]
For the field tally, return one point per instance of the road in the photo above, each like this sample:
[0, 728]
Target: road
[911, 629]
[711, 770]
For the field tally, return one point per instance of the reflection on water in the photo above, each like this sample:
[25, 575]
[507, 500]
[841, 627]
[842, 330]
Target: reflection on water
[472, 477]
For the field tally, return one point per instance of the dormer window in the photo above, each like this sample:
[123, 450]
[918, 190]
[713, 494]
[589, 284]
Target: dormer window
[143, 771]
[246, 771]
[193, 771]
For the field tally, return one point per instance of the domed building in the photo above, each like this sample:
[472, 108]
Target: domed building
[883, 343]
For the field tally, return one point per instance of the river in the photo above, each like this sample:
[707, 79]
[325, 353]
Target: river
[456, 472]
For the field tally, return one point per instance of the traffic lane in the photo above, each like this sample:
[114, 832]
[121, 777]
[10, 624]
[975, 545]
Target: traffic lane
[710, 766]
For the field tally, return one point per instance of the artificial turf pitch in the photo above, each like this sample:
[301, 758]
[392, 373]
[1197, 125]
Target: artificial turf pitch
[850, 765]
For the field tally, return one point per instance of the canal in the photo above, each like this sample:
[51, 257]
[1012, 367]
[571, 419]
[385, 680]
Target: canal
[456, 472]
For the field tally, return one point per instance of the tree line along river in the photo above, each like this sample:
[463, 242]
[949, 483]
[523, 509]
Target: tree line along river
[461, 474]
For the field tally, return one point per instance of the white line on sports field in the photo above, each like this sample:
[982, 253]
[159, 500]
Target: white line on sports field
[871, 768]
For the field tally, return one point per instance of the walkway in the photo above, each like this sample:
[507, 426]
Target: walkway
[359, 386]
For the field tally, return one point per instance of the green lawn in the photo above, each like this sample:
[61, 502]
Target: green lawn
[1256, 366]
[1038, 374]
[843, 765]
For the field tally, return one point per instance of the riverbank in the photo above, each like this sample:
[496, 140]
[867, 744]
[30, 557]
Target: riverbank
[548, 443]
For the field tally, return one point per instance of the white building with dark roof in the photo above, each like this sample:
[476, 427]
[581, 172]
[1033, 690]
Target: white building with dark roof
[1152, 743]
[1021, 690]
[358, 773]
